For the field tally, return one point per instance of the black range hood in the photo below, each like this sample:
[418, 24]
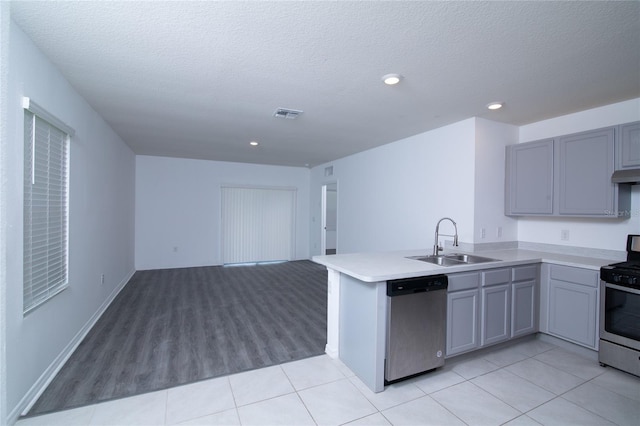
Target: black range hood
[630, 176]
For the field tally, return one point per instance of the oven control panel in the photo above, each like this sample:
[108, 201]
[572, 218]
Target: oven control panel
[617, 276]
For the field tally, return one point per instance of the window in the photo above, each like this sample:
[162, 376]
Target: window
[46, 206]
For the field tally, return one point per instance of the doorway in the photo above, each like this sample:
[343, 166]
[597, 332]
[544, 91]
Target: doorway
[329, 230]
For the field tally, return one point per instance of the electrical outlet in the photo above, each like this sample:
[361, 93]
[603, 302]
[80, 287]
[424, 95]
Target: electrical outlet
[102, 279]
[483, 233]
[564, 235]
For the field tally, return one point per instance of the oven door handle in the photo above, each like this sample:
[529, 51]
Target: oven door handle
[621, 288]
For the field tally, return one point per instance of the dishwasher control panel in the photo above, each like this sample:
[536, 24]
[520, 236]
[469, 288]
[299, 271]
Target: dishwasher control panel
[416, 285]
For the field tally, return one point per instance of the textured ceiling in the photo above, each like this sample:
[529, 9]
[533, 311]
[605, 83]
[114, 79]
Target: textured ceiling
[202, 79]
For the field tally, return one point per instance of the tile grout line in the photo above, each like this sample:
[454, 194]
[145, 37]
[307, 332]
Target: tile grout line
[361, 391]
[298, 395]
[501, 367]
[561, 395]
[585, 408]
[446, 409]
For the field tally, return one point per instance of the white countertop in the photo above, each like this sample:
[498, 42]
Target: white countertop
[374, 267]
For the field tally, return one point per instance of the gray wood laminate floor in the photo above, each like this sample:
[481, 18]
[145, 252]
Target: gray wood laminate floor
[175, 326]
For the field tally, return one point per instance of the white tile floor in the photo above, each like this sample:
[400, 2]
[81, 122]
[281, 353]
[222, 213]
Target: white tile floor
[528, 383]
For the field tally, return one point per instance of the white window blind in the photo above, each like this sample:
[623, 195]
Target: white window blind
[46, 207]
[257, 224]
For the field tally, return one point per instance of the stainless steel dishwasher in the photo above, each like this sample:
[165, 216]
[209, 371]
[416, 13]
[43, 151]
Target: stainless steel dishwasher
[416, 326]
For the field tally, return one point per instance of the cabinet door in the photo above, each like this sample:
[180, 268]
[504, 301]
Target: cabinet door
[585, 165]
[462, 321]
[628, 146]
[496, 314]
[572, 312]
[529, 178]
[523, 308]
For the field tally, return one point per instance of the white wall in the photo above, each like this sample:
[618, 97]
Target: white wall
[608, 115]
[590, 233]
[391, 197]
[178, 208]
[101, 229]
[4, 225]
[491, 140]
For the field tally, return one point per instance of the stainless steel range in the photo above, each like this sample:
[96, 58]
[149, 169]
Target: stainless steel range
[620, 311]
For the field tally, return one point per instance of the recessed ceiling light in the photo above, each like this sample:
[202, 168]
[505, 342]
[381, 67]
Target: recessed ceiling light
[391, 79]
[254, 143]
[495, 105]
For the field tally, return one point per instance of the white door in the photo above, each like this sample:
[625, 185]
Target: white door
[329, 230]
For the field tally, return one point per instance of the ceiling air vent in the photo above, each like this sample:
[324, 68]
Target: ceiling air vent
[328, 171]
[291, 114]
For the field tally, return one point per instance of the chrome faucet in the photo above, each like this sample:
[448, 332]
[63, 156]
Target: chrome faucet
[436, 245]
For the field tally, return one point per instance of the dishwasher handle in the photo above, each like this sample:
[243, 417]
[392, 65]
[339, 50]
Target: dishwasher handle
[416, 285]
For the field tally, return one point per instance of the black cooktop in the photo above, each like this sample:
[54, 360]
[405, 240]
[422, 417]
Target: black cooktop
[624, 273]
[633, 255]
[631, 265]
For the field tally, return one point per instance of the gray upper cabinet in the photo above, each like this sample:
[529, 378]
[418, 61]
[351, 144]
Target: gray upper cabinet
[566, 176]
[530, 178]
[585, 166]
[628, 146]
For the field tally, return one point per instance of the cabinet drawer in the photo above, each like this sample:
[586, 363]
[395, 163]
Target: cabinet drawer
[463, 281]
[524, 273]
[569, 274]
[496, 276]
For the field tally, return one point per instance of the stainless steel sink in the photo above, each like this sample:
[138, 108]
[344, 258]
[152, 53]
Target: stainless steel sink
[453, 259]
[438, 260]
[469, 258]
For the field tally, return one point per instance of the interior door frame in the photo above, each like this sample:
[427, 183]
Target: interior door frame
[324, 213]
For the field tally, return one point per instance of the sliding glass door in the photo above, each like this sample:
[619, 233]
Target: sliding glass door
[258, 224]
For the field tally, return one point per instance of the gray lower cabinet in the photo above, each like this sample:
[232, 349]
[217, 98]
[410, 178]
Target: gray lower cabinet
[463, 298]
[496, 306]
[573, 304]
[524, 296]
[490, 306]
[496, 313]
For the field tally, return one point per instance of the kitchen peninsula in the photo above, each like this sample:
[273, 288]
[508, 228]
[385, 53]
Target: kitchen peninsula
[357, 300]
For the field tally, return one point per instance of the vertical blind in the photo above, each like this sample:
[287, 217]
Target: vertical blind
[46, 195]
[257, 224]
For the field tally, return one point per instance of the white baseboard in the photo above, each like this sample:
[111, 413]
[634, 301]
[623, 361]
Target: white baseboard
[30, 398]
[331, 351]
